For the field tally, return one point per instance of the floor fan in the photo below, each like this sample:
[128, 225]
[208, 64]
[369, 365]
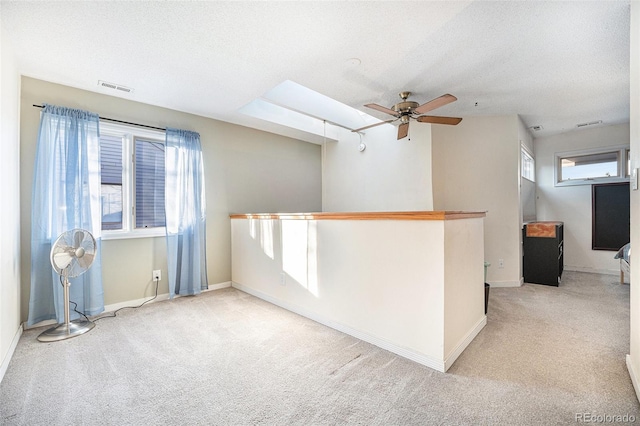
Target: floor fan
[71, 256]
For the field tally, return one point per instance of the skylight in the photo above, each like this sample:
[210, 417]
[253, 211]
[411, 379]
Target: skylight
[293, 105]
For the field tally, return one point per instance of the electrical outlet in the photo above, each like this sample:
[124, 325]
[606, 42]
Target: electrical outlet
[500, 263]
[283, 278]
[157, 275]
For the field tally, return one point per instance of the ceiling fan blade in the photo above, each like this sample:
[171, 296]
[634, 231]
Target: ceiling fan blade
[374, 125]
[435, 103]
[382, 109]
[439, 120]
[403, 130]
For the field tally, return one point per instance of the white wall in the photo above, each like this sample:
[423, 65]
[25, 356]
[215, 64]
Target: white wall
[572, 204]
[389, 175]
[464, 281]
[633, 360]
[9, 213]
[524, 135]
[413, 287]
[476, 168]
[245, 170]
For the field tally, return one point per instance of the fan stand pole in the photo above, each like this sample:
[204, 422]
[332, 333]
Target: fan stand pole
[67, 329]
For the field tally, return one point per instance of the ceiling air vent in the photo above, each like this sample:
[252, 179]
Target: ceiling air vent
[535, 128]
[114, 86]
[591, 123]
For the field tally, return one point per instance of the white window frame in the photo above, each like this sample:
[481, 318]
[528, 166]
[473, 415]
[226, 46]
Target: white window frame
[525, 149]
[622, 152]
[129, 134]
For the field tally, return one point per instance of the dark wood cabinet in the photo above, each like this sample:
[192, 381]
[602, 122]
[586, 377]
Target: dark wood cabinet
[543, 250]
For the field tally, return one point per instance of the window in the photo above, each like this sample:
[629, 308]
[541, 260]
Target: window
[111, 188]
[132, 191]
[587, 167]
[527, 164]
[149, 166]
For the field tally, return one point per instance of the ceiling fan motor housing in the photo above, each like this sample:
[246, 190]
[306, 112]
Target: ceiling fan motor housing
[405, 107]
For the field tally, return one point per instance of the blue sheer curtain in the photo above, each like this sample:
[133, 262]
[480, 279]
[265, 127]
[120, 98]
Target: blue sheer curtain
[185, 213]
[66, 195]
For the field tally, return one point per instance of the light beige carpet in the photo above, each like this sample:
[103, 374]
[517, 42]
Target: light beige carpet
[226, 358]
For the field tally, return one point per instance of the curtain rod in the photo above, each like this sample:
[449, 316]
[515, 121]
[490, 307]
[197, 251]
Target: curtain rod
[121, 121]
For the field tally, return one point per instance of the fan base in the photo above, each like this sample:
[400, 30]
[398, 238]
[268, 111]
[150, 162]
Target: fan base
[66, 331]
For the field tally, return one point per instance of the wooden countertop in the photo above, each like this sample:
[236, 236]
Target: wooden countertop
[409, 215]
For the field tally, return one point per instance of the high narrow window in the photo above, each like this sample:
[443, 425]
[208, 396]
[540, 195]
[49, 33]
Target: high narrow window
[527, 165]
[587, 167]
[590, 166]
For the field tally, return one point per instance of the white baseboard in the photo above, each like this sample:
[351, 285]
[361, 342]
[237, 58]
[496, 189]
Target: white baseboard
[462, 345]
[592, 270]
[505, 283]
[160, 298]
[9, 355]
[566, 268]
[44, 323]
[219, 286]
[634, 377]
[436, 364]
[132, 303]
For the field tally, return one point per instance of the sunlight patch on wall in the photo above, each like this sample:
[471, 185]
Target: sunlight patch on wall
[266, 237]
[253, 228]
[262, 230]
[299, 253]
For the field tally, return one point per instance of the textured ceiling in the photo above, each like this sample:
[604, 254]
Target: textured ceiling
[555, 63]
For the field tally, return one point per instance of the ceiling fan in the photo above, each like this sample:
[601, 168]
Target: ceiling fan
[406, 110]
